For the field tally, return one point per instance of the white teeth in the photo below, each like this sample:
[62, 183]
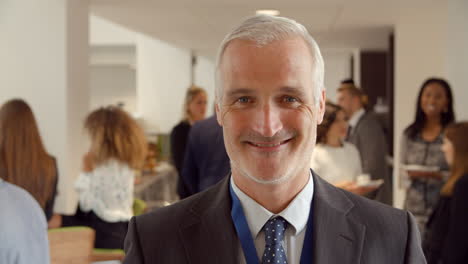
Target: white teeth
[266, 145]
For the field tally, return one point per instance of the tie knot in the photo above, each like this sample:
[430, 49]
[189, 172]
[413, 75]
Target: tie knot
[274, 230]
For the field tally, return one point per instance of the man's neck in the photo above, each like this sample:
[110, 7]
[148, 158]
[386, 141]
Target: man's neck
[355, 110]
[273, 197]
[353, 118]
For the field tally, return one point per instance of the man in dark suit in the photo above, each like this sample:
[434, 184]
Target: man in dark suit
[206, 161]
[273, 208]
[367, 134]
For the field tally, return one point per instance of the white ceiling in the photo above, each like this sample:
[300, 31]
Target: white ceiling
[200, 25]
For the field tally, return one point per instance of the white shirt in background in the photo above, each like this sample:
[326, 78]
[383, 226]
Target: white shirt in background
[107, 191]
[336, 164]
[297, 215]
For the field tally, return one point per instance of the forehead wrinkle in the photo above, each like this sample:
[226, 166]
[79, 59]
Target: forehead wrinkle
[243, 64]
[251, 51]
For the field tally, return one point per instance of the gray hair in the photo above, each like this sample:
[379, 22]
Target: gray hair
[265, 29]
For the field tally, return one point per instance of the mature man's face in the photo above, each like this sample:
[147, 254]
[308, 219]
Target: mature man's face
[267, 110]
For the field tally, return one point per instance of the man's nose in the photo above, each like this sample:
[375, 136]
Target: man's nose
[268, 120]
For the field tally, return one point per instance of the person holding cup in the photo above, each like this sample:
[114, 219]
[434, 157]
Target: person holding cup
[423, 162]
[337, 161]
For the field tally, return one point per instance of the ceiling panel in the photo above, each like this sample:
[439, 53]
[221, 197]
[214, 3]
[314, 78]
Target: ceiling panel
[200, 25]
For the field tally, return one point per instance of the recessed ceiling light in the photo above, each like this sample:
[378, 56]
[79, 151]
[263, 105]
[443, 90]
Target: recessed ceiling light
[271, 12]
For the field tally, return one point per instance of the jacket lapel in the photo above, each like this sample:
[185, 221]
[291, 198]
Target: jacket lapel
[355, 128]
[337, 238]
[208, 233]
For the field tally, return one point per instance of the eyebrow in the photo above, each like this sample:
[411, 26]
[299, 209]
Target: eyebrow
[285, 89]
[292, 90]
[239, 91]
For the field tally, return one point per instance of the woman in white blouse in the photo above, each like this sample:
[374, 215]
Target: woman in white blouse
[105, 186]
[334, 160]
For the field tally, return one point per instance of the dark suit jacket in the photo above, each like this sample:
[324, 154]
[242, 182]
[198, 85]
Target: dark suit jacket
[368, 136]
[179, 138]
[347, 229]
[446, 238]
[206, 161]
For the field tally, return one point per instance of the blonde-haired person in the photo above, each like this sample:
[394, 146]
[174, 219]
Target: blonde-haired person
[194, 110]
[24, 160]
[446, 239]
[105, 187]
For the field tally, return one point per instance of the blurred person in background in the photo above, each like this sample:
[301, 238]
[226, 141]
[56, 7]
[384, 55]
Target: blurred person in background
[105, 186]
[446, 239]
[194, 110]
[24, 160]
[336, 161]
[421, 145]
[23, 227]
[367, 134]
[206, 161]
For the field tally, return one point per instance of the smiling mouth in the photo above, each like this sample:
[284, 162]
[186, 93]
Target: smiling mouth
[268, 145]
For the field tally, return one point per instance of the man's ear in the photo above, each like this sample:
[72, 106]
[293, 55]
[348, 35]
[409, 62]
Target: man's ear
[357, 102]
[219, 117]
[321, 111]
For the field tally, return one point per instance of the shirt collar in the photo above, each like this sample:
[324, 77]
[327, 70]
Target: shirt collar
[296, 213]
[355, 117]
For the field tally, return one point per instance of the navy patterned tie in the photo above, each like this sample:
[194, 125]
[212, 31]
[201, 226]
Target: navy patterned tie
[274, 235]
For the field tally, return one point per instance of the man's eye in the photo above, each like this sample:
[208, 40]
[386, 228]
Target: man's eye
[290, 99]
[244, 100]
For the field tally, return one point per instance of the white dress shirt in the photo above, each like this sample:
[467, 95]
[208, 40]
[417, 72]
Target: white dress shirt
[297, 215]
[354, 119]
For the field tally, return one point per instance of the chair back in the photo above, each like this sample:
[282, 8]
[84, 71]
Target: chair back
[71, 245]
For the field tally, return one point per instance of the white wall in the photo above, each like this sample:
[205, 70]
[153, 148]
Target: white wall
[457, 54]
[43, 51]
[364, 38]
[420, 45]
[204, 77]
[112, 84]
[163, 76]
[112, 64]
[112, 55]
[105, 32]
[337, 68]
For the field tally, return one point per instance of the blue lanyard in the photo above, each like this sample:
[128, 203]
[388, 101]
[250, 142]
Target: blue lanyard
[247, 242]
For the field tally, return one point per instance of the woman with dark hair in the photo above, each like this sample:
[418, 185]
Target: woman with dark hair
[423, 163]
[24, 160]
[333, 159]
[105, 187]
[194, 110]
[446, 239]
